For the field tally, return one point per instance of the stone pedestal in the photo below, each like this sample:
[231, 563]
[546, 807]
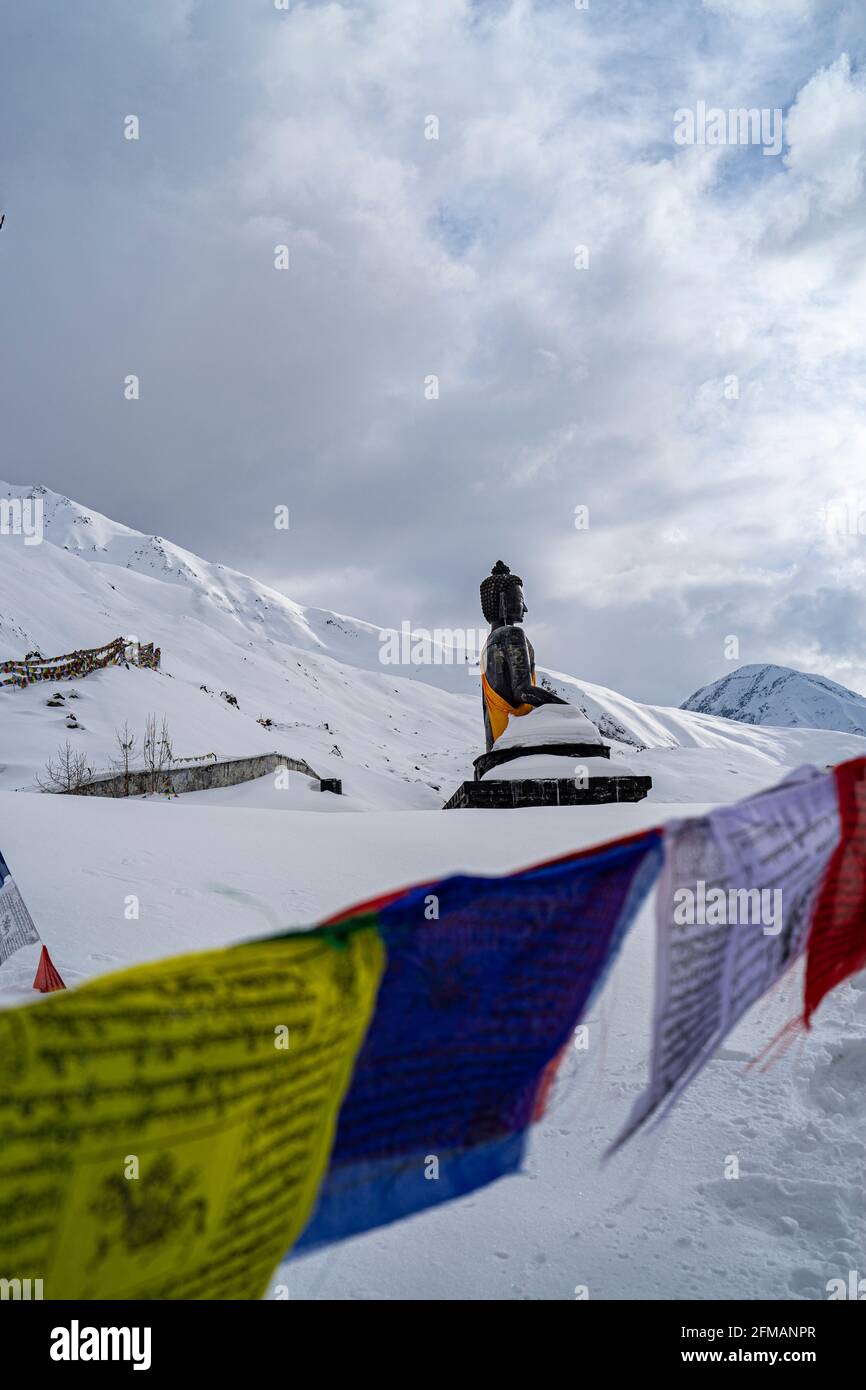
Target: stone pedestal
[552, 757]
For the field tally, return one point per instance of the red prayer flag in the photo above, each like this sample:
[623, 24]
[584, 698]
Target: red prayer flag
[47, 978]
[837, 942]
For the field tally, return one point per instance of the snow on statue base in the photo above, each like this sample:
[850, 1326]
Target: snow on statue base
[551, 757]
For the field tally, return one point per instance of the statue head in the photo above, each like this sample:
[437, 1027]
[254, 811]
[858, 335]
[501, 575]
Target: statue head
[502, 595]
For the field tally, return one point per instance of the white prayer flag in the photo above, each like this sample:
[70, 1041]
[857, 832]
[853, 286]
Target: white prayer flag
[733, 911]
[17, 928]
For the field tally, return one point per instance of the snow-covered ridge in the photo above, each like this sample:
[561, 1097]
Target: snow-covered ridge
[783, 697]
[255, 607]
[91, 536]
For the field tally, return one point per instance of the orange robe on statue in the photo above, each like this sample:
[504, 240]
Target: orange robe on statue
[498, 709]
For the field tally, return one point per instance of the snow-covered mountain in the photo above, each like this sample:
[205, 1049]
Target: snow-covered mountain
[317, 674]
[397, 735]
[783, 697]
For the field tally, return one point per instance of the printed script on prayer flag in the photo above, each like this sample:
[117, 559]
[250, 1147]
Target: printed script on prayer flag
[709, 973]
[474, 1011]
[176, 1065]
[17, 928]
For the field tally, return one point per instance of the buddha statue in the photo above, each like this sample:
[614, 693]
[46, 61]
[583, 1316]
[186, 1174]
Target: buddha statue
[508, 659]
[552, 757]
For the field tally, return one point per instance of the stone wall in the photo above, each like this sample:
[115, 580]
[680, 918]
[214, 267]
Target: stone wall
[546, 791]
[204, 776]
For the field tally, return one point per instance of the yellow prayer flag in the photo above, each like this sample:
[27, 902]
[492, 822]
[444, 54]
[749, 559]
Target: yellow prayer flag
[164, 1130]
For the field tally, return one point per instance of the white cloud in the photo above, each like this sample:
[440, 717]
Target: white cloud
[784, 11]
[826, 131]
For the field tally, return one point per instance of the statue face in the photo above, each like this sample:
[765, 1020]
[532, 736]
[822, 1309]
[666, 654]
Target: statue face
[514, 604]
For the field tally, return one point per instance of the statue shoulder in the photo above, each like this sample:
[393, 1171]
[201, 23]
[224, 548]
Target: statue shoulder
[509, 635]
[510, 640]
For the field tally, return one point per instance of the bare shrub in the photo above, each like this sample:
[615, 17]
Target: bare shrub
[158, 754]
[67, 771]
[125, 741]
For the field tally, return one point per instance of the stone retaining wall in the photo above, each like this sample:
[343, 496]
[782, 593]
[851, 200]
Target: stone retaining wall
[203, 777]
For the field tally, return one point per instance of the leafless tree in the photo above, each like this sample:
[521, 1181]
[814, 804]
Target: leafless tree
[125, 741]
[67, 771]
[158, 754]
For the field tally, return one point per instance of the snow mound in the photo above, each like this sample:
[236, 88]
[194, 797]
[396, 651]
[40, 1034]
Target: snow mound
[548, 724]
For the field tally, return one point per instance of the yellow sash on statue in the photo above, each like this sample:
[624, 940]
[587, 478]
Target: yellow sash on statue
[498, 709]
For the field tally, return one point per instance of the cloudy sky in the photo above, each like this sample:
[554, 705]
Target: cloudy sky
[694, 377]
